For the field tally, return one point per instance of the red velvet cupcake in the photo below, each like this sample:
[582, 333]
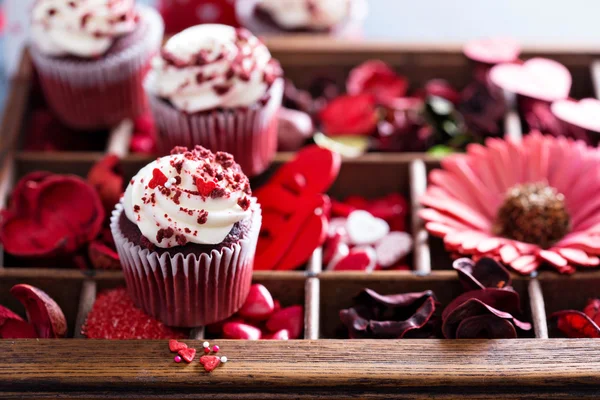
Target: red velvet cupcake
[218, 87]
[92, 56]
[186, 231]
[334, 17]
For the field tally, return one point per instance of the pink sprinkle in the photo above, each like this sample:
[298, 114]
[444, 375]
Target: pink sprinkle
[216, 348]
[177, 359]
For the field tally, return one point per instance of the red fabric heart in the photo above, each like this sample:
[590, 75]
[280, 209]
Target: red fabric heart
[51, 215]
[175, 346]
[187, 354]
[210, 362]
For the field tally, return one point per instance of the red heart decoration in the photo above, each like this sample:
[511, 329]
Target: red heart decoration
[187, 354]
[584, 113]
[493, 50]
[175, 346]
[51, 215]
[538, 78]
[210, 362]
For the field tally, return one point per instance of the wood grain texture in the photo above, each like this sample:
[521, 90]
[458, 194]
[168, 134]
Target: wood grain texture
[284, 367]
[418, 186]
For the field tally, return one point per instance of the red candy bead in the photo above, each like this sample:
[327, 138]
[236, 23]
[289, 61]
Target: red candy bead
[216, 349]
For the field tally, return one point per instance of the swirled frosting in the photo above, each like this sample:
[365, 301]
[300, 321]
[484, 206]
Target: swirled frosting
[188, 197]
[81, 28]
[211, 66]
[308, 14]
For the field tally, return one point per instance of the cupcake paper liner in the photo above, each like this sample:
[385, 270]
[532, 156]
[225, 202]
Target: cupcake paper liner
[192, 290]
[352, 27]
[94, 94]
[249, 133]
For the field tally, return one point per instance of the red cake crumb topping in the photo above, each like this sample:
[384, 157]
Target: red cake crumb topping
[114, 316]
[203, 217]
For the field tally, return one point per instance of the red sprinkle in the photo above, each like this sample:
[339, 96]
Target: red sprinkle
[158, 178]
[175, 346]
[210, 362]
[187, 354]
[205, 188]
[207, 350]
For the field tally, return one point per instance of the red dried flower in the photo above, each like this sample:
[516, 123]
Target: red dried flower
[377, 78]
[107, 177]
[350, 115]
[50, 215]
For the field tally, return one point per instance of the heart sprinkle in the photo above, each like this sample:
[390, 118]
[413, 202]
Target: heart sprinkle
[158, 179]
[175, 346]
[211, 362]
[188, 354]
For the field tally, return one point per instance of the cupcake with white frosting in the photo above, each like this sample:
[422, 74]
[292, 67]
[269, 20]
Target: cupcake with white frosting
[92, 56]
[218, 87]
[186, 231]
[340, 17]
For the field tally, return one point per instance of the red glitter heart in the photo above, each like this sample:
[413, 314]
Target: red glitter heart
[158, 179]
[187, 354]
[210, 362]
[176, 346]
[205, 188]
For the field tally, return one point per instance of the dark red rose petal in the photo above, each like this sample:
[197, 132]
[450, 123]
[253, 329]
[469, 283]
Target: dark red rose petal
[397, 329]
[44, 314]
[377, 78]
[592, 310]
[106, 176]
[575, 324]
[349, 115]
[441, 88]
[485, 273]
[505, 300]
[102, 256]
[114, 316]
[485, 327]
[62, 213]
[12, 326]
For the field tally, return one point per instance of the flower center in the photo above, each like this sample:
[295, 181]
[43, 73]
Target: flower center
[533, 213]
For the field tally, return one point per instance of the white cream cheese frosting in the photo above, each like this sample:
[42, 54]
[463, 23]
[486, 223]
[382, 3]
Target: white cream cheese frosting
[81, 28]
[308, 14]
[212, 66]
[190, 196]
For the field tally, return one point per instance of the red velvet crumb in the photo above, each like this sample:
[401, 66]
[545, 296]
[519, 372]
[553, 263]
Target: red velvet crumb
[203, 217]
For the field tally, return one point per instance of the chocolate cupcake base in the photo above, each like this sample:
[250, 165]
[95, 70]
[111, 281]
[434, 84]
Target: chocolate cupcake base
[193, 289]
[248, 133]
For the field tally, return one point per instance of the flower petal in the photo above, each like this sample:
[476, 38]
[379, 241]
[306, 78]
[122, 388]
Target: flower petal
[509, 253]
[525, 264]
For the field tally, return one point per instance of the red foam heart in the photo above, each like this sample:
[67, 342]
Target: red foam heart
[290, 319]
[59, 214]
[187, 354]
[539, 78]
[259, 303]
[319, 167]
[44, 314]
[584, 113]
[175, 346]
[312, 236]
[493, 50]
[359, 259]
[210, 362]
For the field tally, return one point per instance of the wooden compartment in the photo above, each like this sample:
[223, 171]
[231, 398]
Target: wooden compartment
[313, 367]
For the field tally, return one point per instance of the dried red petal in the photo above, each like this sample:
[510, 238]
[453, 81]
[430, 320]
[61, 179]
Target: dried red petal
[106, 176]
[61, 213]
[349, 115]
[592, 310]
[485, 273]
[210, 362]
[575, 324]
[103, 257]
[377, 78]
[158, 179]
[205, 188]
[485, 327]
[44, 314]
[114, 316]
[12, 326]
[441, 88]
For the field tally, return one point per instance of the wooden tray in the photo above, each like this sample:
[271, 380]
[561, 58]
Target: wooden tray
[320, 365]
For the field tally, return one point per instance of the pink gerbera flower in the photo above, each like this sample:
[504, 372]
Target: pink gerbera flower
[526, 204]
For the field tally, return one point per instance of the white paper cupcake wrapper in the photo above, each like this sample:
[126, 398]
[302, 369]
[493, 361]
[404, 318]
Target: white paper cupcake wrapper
[250, 134]
[192, 290]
